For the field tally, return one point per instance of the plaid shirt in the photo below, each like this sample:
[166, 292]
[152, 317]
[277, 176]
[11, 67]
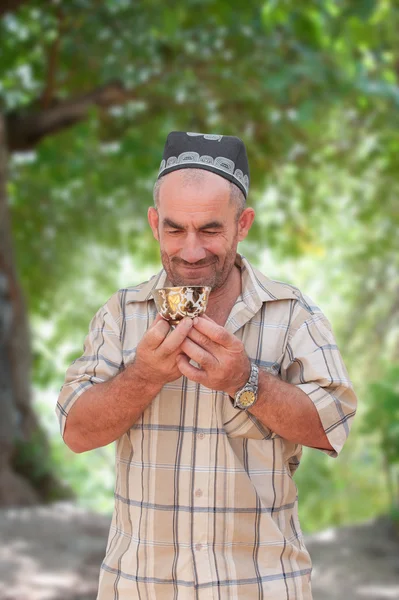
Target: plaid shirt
[205, 503]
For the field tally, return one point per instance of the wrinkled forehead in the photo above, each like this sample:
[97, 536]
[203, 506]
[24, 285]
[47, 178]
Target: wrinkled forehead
[195, 203]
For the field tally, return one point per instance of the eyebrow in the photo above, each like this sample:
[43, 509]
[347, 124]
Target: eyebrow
[211, 225]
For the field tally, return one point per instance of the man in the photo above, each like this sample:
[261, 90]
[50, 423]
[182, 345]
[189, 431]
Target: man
[209, 419]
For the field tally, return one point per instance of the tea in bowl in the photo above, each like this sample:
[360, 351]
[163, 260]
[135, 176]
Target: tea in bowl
[175, 303]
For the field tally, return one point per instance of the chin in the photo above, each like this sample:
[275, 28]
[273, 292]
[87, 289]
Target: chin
[180, 279]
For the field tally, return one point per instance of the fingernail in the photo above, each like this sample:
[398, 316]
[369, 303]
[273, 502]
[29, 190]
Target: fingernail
[195, 321]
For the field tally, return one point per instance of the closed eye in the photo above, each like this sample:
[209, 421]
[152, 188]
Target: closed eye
[176, 231]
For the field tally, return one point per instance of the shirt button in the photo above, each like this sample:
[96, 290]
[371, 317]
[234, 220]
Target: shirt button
[201, 435]
[198, 547]
[198, 493]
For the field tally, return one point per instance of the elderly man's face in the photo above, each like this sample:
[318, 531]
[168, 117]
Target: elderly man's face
[196, 227]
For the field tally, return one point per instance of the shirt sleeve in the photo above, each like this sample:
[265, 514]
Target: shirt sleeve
[100, 361]
[312, 362]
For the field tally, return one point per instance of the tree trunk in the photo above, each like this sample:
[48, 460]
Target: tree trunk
[25, 474]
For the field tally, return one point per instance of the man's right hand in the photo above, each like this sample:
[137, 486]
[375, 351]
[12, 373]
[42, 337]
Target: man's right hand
[157, 351]
[105, 411]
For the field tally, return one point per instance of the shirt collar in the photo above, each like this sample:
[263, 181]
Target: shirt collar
[256, 287]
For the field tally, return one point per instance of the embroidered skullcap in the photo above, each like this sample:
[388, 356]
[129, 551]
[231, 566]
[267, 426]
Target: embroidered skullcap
[224, 155]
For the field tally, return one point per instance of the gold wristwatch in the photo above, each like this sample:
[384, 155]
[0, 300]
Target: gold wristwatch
[247, 395]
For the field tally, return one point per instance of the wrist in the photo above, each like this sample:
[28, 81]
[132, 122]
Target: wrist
[136, 374]
[247, 395]
[243, 379]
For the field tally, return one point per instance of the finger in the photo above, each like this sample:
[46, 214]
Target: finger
[176, 337]
[158, 318]
[201, 356]
[215, 332]
[189, 371]
[205, 316]
[157, 334]
[203, 341]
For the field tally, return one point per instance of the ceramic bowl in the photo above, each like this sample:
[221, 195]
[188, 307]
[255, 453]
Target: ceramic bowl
[175, 303]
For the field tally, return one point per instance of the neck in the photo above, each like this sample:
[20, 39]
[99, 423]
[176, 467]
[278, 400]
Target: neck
[224, 297]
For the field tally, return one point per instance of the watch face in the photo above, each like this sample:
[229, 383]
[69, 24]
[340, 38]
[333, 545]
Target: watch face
[247, 398]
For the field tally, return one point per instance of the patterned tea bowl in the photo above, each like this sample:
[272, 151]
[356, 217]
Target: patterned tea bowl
[175, 303]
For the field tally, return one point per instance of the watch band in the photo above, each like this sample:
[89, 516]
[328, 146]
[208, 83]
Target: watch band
[250, 387]
[254, 375]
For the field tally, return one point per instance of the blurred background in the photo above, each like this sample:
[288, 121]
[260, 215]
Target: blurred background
[89, 91]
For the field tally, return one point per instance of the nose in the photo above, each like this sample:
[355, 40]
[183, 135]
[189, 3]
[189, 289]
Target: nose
[192, 250]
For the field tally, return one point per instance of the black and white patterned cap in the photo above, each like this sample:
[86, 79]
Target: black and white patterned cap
[224, 155]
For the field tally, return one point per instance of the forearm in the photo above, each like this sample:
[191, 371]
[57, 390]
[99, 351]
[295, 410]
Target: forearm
[104, 412]
[288, 411]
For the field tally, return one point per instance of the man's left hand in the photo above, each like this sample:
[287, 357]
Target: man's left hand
[224, 363]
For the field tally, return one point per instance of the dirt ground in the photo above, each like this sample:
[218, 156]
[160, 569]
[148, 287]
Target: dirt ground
[55, 552]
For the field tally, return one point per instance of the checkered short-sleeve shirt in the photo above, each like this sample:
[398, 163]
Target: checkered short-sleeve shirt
[205, 503]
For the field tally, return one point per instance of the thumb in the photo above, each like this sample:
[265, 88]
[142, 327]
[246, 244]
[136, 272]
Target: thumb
[157, 333]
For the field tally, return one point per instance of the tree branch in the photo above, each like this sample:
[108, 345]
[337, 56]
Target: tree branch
[10, 5]
[25, 129]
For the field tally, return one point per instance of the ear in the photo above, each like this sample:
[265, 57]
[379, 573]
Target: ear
[153, 219]
[245, 222]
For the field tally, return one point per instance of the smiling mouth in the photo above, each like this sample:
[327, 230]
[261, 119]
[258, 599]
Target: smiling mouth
[196, 268]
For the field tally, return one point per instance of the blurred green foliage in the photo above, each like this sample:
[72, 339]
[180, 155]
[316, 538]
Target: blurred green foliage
[312, 89]
[31, 456]
[382, 420]
[34, 460]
